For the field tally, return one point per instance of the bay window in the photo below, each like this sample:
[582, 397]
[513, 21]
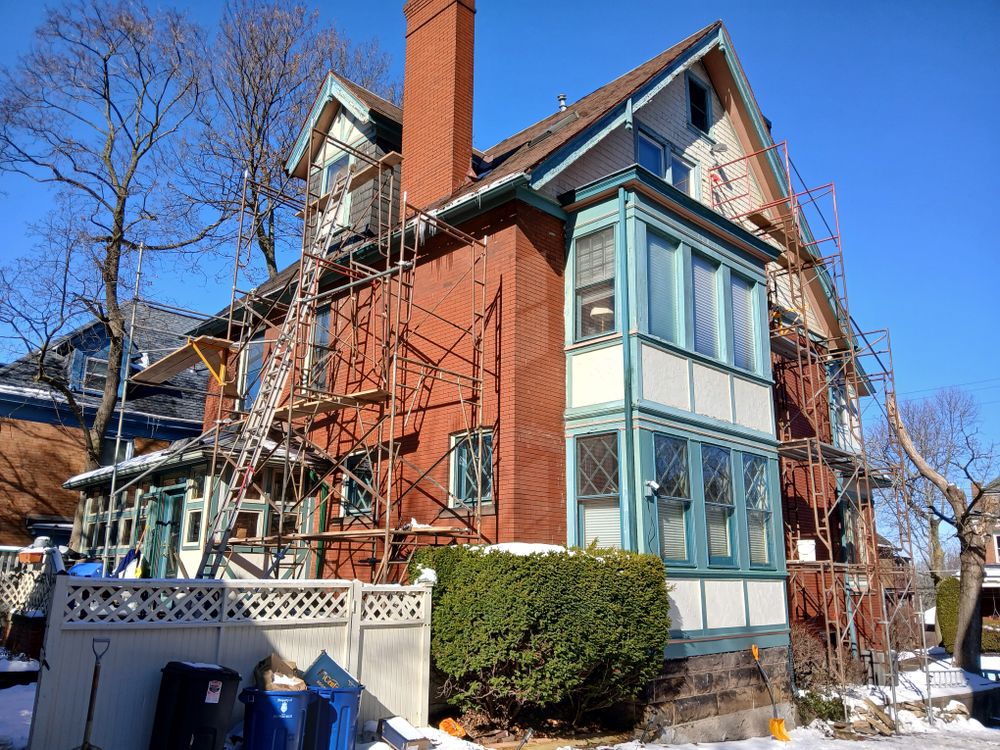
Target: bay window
[705, 305]
[664, 313]
[742, 318]
[758, 508]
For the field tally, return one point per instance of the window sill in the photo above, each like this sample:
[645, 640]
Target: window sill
[463, 511]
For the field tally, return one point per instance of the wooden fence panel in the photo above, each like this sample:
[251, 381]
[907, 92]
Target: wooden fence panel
[381, 633]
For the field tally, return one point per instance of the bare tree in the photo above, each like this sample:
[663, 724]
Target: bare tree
[269, 59]
[971, 462]
[95, 110]
[934, 425]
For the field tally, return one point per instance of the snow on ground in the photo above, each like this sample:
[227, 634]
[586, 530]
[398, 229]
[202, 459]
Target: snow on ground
[912, 685]
[16, 705]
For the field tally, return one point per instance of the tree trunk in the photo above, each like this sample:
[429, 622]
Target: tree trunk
[935, 550]
[969, 634]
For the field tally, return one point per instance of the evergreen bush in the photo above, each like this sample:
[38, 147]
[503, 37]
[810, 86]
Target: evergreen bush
[575, 630]
[947, 611]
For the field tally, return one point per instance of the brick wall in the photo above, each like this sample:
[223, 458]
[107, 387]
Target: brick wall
[35, 459]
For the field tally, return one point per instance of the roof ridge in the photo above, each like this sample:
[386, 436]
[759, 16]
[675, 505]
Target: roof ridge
[683, 45]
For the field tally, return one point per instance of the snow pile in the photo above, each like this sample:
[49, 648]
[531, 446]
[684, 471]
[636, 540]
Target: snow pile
[16, 706]
[18, 665]
[523, 549]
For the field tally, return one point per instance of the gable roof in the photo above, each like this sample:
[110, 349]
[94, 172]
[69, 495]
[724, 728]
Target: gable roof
[523, 151]
[157, 333]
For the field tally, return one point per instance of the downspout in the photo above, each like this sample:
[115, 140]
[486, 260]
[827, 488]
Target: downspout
[629, 462]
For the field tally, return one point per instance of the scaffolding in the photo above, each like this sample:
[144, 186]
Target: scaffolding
[320, 373]
[846, 581]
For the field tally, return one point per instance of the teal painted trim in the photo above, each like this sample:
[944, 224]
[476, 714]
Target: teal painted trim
[628, 459]
[714, 426]
[673, 197]
[585, 140]
[681, 649]
[542, 202]
[331, 90]
[572, 519]
[687, 572]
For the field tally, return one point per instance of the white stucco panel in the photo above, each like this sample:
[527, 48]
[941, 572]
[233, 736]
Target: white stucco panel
[753, 405]
[597, 376]
[711, 393]
[724, 607]
[665, 378]
[766, 600]
[685, 605]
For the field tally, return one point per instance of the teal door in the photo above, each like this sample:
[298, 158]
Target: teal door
[163, 523]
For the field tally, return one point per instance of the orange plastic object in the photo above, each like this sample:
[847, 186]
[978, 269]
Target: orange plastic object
[31, 556]
[452, 727]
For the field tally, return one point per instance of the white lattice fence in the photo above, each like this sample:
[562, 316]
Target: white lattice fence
[380, 633]
[25, 588]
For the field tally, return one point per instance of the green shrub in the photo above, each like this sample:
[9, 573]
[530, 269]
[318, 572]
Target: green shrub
[947, 619]
[812, 705]
[947, 611]
[578, 630]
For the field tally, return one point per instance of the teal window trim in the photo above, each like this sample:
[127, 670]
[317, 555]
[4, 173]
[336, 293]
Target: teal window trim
[667, 155]
[190, 510]
[579, 289]
[687, 502]
[692, 81]
[580, 499]
[732, 559]
[355, 500]
[460, 443]
[770, 512]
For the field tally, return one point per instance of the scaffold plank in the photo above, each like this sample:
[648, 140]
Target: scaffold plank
[210, 350]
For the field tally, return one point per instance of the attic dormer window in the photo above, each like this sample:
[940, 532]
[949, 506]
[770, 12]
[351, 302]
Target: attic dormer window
[95, 374]
[699, 105]
[334, 171]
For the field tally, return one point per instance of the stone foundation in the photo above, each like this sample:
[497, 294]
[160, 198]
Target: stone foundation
[717, 697]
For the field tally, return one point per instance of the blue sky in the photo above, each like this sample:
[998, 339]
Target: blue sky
[895, 102]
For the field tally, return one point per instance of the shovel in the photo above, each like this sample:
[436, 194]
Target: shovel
[776, 725]
[100, 647]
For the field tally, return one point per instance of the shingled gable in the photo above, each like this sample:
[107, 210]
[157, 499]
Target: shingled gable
[362, 103]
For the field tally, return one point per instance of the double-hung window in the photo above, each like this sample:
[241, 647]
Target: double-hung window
[673, 496]
[758, 508]
[663, 161]
[699, 105]
[705, 304]
[665, 320]
[335, 172]
[319, 353]
[472, 469]
[95, 374]
[595, 283]
[743, 323]
[597, 489]
[717, 478]
[358, 478]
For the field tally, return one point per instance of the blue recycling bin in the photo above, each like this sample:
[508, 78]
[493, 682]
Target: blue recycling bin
[275, 719]
[87, 570]
[332, 722]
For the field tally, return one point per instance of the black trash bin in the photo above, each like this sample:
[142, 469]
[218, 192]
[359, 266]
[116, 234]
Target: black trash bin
[194, 707]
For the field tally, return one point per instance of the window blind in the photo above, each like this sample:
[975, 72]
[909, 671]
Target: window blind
[602, 522]
[595, 257]
[718, 531]
[744, 340]
[673, 531]
[662, 287]
[706, 306]
[757, 530]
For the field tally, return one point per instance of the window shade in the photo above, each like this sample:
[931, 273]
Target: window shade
[663, 300]
[602, 522]
[718, 531]
[673, 531]
[757, 530]
[595, 257]
[706, 306]
[744, 340]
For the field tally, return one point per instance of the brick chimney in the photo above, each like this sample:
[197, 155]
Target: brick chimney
[437, 98]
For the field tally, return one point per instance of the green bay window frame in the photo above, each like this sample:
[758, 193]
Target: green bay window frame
[598, 489]
[664, 264]
[743, 322]
[717, 486]
[594, 281]
[757, 502]
[672, 490]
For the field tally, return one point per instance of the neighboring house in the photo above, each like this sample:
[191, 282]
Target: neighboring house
[628, 386]
[41, 443]
[989, 505]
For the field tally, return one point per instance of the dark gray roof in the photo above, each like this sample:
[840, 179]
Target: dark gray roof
[157, 333]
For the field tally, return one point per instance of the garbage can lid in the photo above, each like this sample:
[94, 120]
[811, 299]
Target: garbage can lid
[197, 667]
